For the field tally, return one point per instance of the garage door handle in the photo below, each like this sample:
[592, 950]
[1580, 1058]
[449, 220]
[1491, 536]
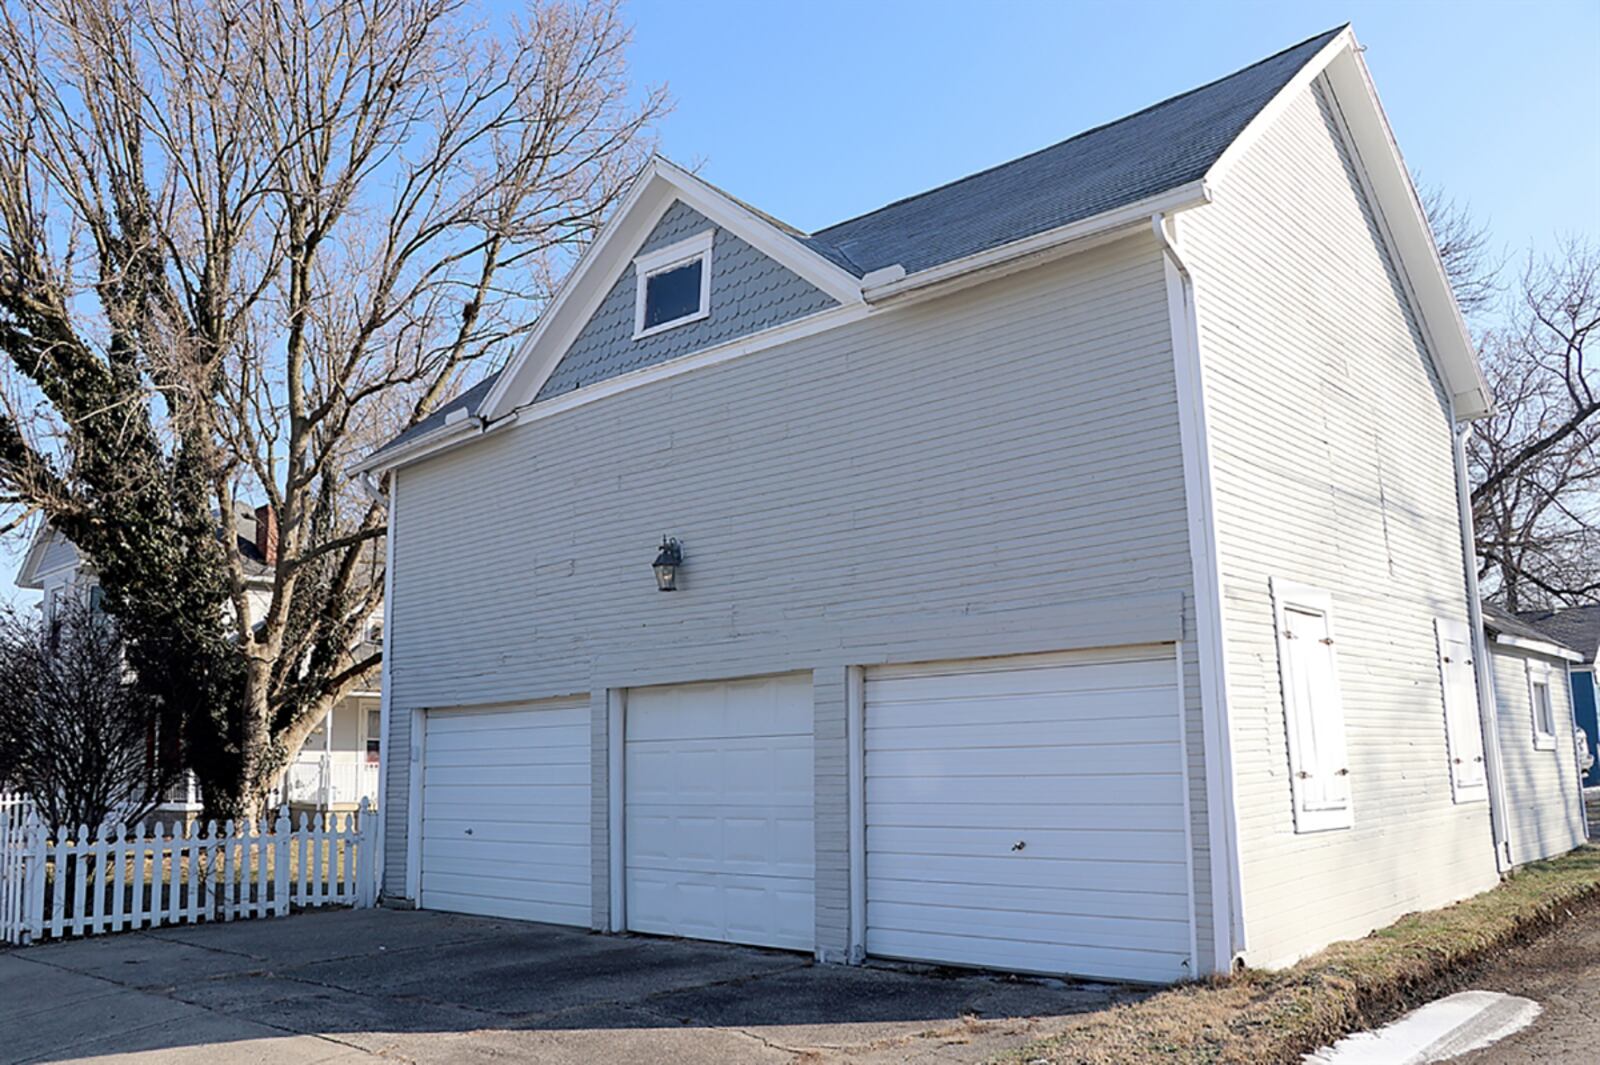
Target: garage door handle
[469, 831]
[1019, 844]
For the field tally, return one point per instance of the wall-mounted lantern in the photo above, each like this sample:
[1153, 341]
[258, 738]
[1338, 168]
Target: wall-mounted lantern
[666, 565]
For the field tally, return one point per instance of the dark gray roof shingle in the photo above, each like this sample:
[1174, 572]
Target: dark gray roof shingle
[467, 401]
[1578, 627]
[1163, 147]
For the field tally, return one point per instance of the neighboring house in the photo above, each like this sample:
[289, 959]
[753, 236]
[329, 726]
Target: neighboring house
[1061, 557]
[1537, 737]
[1578, 627]
[336, 768]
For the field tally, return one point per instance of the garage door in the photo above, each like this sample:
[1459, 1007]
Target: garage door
[718, 838]
[505, 812]
[1028, 814]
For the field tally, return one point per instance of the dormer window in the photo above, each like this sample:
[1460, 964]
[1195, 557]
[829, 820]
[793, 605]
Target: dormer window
[674, 286]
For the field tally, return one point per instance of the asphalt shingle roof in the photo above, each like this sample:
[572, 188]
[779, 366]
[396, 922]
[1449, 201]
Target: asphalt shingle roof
[1578, 627]
[1161, 148]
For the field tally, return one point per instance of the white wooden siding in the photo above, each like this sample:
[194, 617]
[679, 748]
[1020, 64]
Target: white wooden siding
[930, 471]
[1545, 814]
[1331, 449]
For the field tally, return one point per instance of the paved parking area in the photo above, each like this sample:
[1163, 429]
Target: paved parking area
[348, 986]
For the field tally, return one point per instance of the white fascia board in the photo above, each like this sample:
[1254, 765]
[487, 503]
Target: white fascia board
[1538, 647]
[1063, 240]
[575, 301]
[29, 576]
[1405, 222]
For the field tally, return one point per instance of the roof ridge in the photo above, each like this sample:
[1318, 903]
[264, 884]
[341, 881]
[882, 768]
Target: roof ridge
[1329, 34]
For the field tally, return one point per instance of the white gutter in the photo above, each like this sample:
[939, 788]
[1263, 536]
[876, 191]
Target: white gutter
[1488, 713]
[1053, 241]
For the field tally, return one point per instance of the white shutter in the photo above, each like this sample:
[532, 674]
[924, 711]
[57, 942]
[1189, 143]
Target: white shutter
[1463, 732]
[1313, 712]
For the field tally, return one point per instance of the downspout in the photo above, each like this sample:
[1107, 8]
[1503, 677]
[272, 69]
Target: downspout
[1222, 826]
[1488, 713]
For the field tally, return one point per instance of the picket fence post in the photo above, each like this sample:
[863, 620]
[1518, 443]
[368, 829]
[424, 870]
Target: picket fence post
[366, 867]
[281, 845]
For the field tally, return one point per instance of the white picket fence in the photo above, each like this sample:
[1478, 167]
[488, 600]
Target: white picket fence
[63, 882]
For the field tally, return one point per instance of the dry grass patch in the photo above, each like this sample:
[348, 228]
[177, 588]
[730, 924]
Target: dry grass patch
[1262, 1017]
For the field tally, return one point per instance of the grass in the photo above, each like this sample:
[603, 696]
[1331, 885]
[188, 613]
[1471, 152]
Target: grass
[1260, 1017]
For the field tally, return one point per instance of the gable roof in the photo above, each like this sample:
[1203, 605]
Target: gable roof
[50, 550]
[1101, 182]
[1577, 626]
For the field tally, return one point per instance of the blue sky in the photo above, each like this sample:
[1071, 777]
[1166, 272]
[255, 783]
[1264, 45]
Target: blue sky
[818, 110]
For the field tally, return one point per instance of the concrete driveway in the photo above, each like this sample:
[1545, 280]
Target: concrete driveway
[348, 986]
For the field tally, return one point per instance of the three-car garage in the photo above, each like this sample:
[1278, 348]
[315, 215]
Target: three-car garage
[1023, 813]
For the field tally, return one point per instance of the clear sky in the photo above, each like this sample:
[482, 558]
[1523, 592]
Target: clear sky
[818, 110]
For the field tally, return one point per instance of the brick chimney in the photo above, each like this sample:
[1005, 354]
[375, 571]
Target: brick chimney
[267, 534]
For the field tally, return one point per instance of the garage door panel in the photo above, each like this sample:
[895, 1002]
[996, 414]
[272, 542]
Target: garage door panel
[1027, 816]
[569, 774]
[1158, 877]
[978, 733]
[1080, 761]
[1044, 899]
[1065, 929]
[517, 909]
[1088, 790]
[534, 758]
[505, 813]
[497, 799]
[1027, 955]
[974, 680]
[1056, 844]
[1038, 762]
[719, 831]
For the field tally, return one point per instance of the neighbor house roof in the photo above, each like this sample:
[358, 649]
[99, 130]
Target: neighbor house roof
[1506, 627]
[1112, 178]
[50, 551]
[1578, 627]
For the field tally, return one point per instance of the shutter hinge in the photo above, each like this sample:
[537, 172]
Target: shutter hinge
[1342, 773]
[1327, 640]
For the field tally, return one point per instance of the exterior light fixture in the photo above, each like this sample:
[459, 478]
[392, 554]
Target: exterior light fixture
[666, 565]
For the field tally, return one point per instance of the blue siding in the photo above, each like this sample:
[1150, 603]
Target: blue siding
[749, 293]
[1584, 709]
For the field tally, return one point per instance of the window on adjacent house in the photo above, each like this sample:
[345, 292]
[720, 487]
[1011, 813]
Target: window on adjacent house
[1319, 772]
[1463, 733]
[674, 286]
[1544, 713]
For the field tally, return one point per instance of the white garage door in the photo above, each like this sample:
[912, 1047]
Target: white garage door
[505, 812]
[1028, 814]
[718, 839]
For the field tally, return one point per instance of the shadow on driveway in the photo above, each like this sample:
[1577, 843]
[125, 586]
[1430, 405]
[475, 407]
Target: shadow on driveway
[343, 986]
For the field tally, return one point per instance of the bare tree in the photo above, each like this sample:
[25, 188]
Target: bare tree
[75, 733]
[239, 243]
[1536, 461]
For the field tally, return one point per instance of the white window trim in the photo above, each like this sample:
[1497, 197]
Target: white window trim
[661, 260]
[1286, 595]
[1540, 673]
